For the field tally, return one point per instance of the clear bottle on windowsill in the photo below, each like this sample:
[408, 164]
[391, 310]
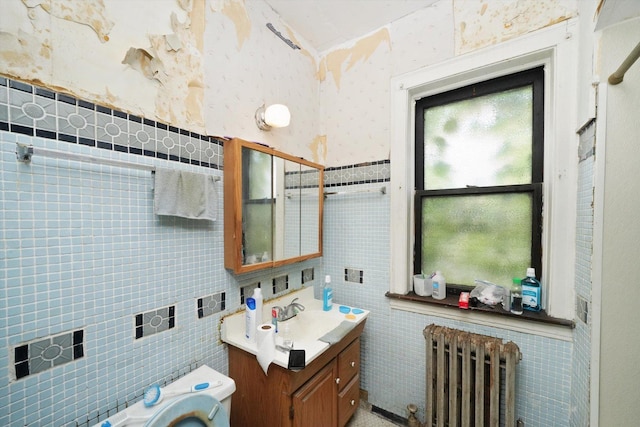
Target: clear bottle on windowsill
[516, 297]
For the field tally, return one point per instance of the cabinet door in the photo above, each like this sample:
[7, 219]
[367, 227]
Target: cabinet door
[348, 401]
[315, 403]
[349, 363]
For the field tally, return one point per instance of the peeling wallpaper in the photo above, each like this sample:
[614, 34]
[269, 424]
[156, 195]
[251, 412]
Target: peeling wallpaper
[347, 58]
[86, 12]
[480, 24]
[265, 70]
[238, 15]
[355, 114]
[201, 65]
[208, 65]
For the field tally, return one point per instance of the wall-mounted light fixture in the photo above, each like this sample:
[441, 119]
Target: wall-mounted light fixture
[273, 116]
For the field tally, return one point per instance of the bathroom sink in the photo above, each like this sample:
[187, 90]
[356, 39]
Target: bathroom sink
[304, 330]
[309, 325]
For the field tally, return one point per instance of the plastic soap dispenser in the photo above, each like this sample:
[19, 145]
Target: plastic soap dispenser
[439, 286]
[250, 319]
[327, 294]
[257, 296]
[531, 291]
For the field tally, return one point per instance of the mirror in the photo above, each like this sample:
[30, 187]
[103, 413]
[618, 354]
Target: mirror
[273, 207]
[310, 206]
[257, 206]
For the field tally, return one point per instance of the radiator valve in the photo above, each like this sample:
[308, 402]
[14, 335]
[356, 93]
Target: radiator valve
[412, 421]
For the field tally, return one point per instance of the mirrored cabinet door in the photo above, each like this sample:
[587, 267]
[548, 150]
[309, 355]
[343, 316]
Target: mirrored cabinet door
[292, 205]
[310, 209]
[257, 206]
[272, 207]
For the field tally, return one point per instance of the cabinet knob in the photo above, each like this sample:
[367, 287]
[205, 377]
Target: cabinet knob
[353, 364]
[353, 402]
[337, 380]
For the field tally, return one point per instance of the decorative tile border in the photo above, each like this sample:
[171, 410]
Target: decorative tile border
[587, 144]
[307, 275]
[363, 173]
[154, 321]
[211, 304]
[45, 353]
[247, 291]
[280, 284]
[582, 309]
[301, 179]
[35, 111]
[353, 275]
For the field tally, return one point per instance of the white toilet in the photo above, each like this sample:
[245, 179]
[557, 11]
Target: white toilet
[206, 408]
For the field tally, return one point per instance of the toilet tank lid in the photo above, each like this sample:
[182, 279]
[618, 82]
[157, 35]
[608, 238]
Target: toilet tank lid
[205, 374]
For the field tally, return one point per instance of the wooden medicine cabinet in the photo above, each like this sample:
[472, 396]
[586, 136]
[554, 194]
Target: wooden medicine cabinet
[272, 207]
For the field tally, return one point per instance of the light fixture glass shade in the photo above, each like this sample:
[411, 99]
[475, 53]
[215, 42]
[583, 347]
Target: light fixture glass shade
[275, 115]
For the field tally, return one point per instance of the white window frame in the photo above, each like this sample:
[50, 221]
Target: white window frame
[556, 49]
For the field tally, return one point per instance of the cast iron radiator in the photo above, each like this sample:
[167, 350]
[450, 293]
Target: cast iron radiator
[470, 379]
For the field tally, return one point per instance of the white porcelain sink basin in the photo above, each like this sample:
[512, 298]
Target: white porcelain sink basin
[309, 325]
[304, 329]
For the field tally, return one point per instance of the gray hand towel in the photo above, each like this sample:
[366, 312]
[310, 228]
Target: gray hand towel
[185, 194]
[337, 333]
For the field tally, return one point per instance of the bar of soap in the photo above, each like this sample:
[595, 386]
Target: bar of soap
[344, 309]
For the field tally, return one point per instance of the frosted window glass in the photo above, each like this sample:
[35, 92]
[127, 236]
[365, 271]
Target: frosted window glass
[472, 237]
[257, 205]
[481, 141]
[258, 175]
[258, 231]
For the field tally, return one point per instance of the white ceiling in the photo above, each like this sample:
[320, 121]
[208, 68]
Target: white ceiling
[328, 23]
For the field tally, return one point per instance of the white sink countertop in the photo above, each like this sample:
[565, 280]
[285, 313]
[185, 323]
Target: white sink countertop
[305, 328]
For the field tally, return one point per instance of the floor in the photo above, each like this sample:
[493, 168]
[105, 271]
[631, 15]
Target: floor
[365, 418]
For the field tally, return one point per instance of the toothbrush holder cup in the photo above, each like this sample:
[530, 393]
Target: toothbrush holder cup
[422, 285]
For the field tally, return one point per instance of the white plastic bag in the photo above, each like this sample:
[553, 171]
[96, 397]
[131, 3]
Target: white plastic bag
[487, 293]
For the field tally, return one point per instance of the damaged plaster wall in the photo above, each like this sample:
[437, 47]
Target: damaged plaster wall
[248, 66]
[481, 24]
[134, 56]
[354, 79]
[201, 65]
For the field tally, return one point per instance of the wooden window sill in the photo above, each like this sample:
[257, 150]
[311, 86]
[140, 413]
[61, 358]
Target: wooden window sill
[451, 303]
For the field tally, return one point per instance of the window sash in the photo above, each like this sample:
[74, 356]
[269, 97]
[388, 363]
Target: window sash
[536, 220]
[533, 77]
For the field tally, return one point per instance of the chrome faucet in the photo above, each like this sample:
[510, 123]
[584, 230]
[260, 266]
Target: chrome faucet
[289, 311]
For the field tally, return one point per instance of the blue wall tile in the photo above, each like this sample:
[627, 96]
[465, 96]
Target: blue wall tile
[83, 250]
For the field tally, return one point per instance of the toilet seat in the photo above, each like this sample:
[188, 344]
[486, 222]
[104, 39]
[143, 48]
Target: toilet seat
[191, 410]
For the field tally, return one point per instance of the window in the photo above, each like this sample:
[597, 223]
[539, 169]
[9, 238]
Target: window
[479, 154]
[554, 51]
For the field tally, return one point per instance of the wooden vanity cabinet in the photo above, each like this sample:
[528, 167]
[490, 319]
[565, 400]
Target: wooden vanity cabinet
[325, 393]
[315, 403]
[348, 381]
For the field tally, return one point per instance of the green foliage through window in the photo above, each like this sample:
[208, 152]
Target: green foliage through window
[478, 180]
